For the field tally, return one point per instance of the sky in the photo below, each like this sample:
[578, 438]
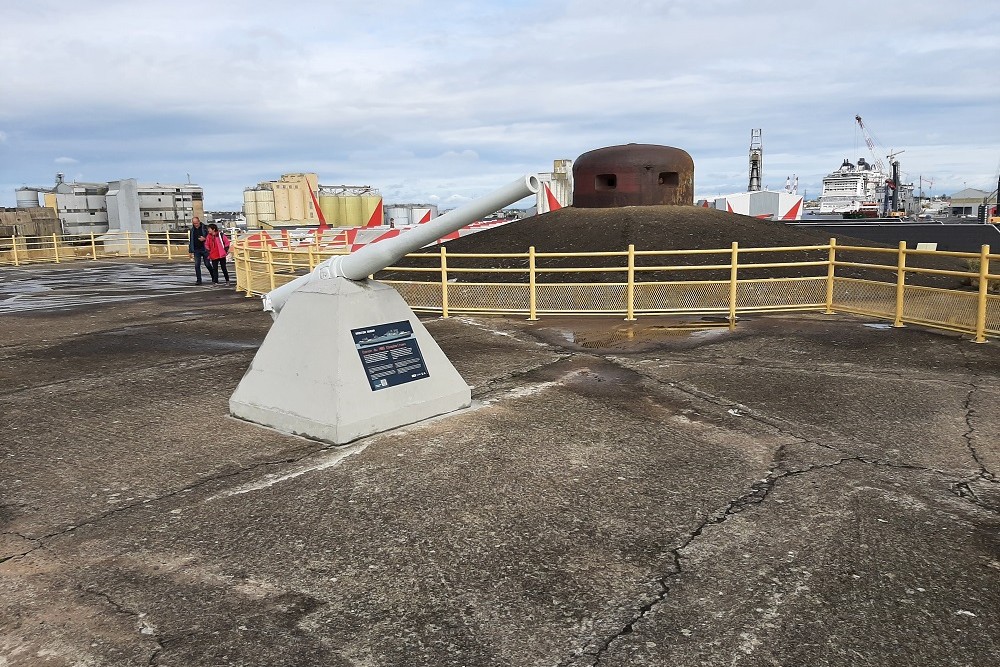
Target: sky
[441, 102]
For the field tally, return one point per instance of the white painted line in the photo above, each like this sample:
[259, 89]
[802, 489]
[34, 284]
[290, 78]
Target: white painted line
[332, 459]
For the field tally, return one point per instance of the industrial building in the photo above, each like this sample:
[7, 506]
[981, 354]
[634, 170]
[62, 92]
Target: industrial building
[94, 208]
[967, 202]
[557, 190]
[293, 199]
[756, 201]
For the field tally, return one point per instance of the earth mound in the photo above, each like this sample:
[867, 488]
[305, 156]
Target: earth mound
[575, 230]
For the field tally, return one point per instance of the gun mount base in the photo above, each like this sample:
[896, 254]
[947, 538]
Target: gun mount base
[365, 365]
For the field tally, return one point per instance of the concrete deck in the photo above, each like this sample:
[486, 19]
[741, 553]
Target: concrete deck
[808, 490]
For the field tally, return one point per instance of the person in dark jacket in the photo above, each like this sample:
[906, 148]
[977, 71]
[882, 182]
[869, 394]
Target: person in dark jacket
[197, 250]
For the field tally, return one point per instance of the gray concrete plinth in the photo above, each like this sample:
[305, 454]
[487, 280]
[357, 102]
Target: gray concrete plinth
[308, 377]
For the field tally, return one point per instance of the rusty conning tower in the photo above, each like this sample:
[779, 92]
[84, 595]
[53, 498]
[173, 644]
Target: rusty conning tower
[633, 175]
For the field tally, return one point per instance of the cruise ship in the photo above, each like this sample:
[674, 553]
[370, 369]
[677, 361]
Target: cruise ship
[859, 191]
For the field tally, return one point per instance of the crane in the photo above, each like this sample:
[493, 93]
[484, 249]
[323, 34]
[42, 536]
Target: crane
[891, 185]
[870, 140]
[756, 161]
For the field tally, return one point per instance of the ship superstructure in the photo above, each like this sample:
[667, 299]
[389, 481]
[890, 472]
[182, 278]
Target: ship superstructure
[851, 186]
[867, 189]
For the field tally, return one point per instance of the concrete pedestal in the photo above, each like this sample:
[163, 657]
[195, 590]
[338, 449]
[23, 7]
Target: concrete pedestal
[314, 376]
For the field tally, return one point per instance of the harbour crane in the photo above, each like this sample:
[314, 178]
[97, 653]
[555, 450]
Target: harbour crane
[870, 140]
[756, 161]
[891, 200]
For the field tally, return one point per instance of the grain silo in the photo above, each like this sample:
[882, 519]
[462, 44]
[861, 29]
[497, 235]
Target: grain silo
[265, 205]
[250, 208]
[349, 205]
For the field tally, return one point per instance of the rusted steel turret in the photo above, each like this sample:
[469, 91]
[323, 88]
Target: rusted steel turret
[633, 175]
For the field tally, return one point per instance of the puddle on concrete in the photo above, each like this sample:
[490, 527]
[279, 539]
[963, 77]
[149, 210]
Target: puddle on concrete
[66, 286]
[604, 334]
[879, 325]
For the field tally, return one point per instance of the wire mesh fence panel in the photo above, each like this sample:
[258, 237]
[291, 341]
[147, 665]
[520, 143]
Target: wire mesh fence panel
[993, 315]
[864, 297]
[678, 297]
[419, 296]
[780, 294]
[508, 298]
[947, 308]
[580, 298]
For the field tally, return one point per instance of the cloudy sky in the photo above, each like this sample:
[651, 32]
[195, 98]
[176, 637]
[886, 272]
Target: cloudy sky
[438, 101]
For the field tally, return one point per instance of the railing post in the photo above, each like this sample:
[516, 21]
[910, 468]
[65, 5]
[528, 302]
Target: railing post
[270, 267]
[55, 247]
[532, 304]
[630, 290]
[149, 248]
[312, 258]
[169, 252]
[247, 270]
[900, 284]
[93, 246]
[13, 245]
[830, 271]
[128, 243]
[733, 263]
[444, 282]
[984, 271]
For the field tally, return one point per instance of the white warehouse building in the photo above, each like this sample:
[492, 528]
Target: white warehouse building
[85, 208]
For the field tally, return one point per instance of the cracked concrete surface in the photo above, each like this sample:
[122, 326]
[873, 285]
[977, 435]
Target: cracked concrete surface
[804, 490]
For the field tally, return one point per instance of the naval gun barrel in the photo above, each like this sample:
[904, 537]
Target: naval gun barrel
[377, 256]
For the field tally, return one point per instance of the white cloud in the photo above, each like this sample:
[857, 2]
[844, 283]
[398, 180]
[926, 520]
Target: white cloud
[3, 137]
[430, 99]
[65, 160]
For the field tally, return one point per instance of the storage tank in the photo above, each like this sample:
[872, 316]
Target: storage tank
[398, 213]
[410, 214]
[331, 213]
[369, 205]
[352, 212]
[348, 210]
[265, 205]
[26, 198]
[250, 208]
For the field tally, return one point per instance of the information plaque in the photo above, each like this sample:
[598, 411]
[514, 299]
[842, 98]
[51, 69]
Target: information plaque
[390, 354]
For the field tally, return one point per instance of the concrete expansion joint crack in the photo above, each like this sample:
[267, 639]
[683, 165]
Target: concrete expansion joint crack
[145, 629]
[781, 426]
[970, 432]
[759, 490]
[970, 413]
[503, 383]
[190, 362]
[38, 543]
[93, 521]
[827, 369]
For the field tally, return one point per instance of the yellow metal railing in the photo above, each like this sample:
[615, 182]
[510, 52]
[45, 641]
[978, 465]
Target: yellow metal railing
[58, 248]
[454, 284]
[628, 283]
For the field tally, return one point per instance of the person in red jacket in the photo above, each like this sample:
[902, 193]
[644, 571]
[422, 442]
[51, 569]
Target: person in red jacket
[217, 245]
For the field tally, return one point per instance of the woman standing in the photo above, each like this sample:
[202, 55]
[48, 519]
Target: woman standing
[217, 245]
